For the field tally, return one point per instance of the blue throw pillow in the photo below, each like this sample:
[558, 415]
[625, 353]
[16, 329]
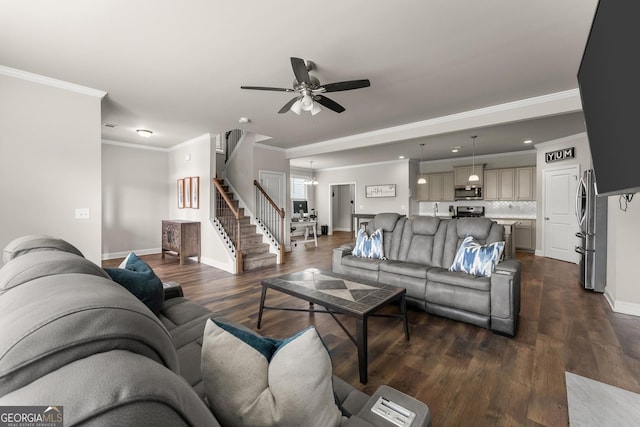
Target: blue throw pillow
[369, 246]
[139, 279]
[474, 258]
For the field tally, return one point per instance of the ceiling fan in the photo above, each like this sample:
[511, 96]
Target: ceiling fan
[310, 90]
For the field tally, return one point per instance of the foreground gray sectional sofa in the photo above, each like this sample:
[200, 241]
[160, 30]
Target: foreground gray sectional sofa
[72, 337]
[418, 253]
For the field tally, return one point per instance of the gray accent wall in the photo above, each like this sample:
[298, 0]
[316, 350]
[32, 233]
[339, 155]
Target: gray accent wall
[50, 163]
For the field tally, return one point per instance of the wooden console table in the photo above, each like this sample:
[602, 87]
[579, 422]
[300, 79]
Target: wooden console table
[182, 238]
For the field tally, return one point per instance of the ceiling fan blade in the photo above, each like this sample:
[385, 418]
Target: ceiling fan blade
[300, 70]
[329, 103]
[287, 106]
[348, 85]
[277, 89]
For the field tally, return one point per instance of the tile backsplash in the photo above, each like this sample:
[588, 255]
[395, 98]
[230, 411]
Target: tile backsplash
[493, 209]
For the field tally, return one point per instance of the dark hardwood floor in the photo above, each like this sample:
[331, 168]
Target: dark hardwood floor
[467, 375]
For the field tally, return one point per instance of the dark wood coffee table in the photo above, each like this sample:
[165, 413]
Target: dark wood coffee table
[357, 298]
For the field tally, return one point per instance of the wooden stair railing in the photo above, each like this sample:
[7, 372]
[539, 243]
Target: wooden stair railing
[271, 217]
[229, 216]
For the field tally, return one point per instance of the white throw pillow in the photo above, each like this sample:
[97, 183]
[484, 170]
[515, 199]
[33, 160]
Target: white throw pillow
[254, 381]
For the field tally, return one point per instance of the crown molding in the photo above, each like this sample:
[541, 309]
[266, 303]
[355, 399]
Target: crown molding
[539, 106]
[547, 144]
[134, 146]
[48, 81]
[207, 137]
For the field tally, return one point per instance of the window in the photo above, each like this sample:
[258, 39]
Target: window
[298, 189]
[219, 143]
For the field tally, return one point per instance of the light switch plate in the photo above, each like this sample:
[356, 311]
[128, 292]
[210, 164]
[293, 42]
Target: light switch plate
[82, 213]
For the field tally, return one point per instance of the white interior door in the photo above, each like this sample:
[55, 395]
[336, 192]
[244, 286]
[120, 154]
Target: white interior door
[559, 220]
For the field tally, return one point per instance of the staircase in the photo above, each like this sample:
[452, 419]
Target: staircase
[255, 253]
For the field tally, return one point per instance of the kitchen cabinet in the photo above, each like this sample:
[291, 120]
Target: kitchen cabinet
[525, 183]
[525, 235]
[510, 184]
[439, 187]
[461, 175]
[499, 184]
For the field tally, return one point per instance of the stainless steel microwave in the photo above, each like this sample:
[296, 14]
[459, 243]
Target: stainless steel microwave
[468, 193]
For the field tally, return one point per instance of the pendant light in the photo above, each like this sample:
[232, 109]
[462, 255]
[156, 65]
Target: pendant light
[422, 179]
[473, 177]
[313, 180]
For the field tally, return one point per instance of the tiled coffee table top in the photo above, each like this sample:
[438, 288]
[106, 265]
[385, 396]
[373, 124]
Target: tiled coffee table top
[353, 295]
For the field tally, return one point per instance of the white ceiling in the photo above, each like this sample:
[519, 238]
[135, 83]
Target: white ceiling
[176, 67]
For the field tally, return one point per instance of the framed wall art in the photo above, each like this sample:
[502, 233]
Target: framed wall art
[384, 190]
[187, 192]
[180, 194]
[195, 192]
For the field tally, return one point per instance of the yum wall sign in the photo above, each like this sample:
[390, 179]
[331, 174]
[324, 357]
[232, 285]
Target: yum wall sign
[562, 154]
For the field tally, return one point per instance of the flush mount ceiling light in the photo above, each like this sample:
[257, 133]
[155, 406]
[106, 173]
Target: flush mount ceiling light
[473, 177]
[243, 120]
[144, 133]
[313, 180]
[456, 149]
[422, 179]
[528, 141]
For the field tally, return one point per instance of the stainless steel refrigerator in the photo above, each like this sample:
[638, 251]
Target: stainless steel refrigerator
[591, 213]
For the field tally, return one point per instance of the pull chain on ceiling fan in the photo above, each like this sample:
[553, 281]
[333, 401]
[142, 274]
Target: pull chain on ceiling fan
[310, 90]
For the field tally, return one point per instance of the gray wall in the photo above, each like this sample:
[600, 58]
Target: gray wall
[50, 163]
[395, 172]
[134, 198]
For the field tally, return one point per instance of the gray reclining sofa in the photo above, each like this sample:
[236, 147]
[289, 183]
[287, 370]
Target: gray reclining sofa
[418, 253]
[72, 337]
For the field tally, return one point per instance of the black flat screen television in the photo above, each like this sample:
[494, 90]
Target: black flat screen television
[609, 81]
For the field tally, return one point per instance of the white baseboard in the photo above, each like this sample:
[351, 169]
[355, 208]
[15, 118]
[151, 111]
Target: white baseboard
[341, 229]
[539, 252]
[228, 267]
[115, 255]
[622, 307]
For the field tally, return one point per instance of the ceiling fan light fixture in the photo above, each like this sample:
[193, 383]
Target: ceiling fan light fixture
[315, 109]
[296, 107]
[306, 102]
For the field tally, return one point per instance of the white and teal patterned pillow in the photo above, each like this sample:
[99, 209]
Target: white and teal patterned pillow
[474, 258]
[369, 246]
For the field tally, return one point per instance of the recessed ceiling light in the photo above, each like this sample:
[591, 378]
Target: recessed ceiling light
[243, 120]
[528, 141]
[401, 157]
[456, 149]
[145, 133]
